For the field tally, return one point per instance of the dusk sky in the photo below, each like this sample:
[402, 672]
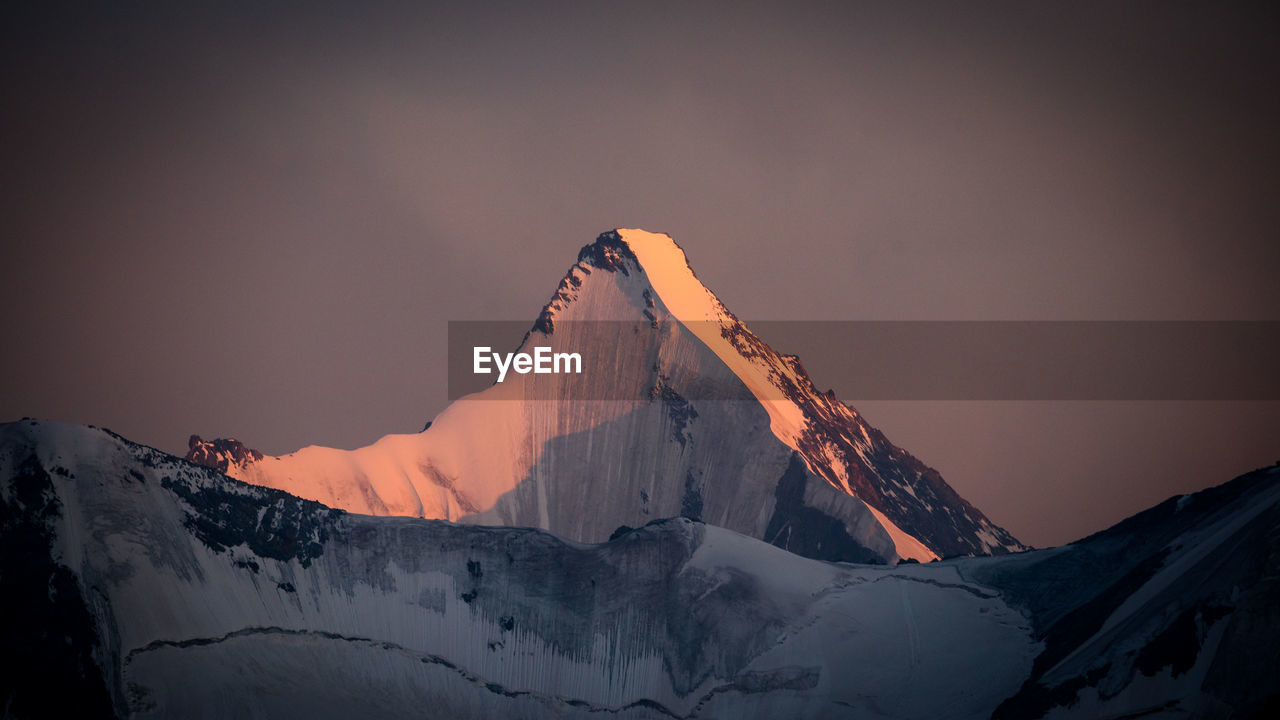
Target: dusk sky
[256, 221]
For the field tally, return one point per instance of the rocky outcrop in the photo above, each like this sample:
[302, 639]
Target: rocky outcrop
[221, 454]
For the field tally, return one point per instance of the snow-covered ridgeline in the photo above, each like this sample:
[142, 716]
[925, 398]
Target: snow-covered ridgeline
[213, 597]
[207, 597]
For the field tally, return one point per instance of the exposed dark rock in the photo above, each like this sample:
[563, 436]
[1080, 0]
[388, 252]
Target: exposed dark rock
[679, 409]
[691, 502]
[1178, 645]
[271, 523]
[47, 667]
[808, 531]
[609, 253]
[221, 453]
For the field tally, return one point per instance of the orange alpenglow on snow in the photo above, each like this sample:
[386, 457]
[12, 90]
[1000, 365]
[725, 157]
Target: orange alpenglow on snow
[795, 467]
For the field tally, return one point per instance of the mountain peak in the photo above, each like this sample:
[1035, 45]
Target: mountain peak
[651, 265]
[672, 277]
[612, 249]
[796, 467]
[609, 252]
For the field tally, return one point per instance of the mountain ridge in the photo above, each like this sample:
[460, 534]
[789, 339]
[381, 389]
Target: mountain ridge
[202, 596]
[512, 455]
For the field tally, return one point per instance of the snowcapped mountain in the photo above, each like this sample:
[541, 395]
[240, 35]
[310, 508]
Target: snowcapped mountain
[1172, 613]
[702, 420]
[135, 584]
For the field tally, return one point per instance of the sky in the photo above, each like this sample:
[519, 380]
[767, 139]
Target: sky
[255, 219]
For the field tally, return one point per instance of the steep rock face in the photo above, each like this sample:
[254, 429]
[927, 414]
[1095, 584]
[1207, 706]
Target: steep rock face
[681, 411]
[212, 598]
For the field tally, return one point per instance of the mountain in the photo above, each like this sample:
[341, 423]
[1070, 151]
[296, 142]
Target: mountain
[1173, 612]
[682, 412]
[136, 584]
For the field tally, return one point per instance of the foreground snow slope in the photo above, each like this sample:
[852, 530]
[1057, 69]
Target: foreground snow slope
[207, 597]
[136, 584]
[1172, 613]
[700, 418]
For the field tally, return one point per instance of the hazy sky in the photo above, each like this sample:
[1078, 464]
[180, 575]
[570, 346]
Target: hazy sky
[256, 221]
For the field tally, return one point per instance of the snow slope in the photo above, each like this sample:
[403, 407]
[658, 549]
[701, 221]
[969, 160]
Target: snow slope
[135, 584]
[701, 419]
[1172, 613]
[213, 598]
